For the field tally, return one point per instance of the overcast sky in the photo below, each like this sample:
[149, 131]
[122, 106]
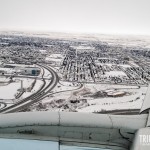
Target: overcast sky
[88, 16]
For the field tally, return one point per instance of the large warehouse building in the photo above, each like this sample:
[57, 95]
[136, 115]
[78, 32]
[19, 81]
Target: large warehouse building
[34, 71]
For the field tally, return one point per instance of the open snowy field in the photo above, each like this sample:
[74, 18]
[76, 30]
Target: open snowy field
[36, 87]
[132, 99]
[54, 57]
[9, 91]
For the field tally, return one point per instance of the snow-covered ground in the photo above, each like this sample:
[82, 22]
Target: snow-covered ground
[43, 51]
[56, 58]
[1, 105]
[9, 91]
[62, 90]
[8, 70]
[115, 73]
[4, 80]
[37, 86]
[26, 81]
[64, 96]
[62, 86]
[133, 98]
[47, 74]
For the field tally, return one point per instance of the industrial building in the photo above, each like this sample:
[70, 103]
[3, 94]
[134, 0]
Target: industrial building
[34, 71]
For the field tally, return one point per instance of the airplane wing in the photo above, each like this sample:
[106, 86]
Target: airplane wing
[68, 128]
[146, 104]
[82, 131]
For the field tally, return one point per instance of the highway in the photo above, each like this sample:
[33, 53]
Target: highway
[44, 91]
[28, 101]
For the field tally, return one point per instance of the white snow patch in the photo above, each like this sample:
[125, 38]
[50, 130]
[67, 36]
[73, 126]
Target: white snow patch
[9, 91]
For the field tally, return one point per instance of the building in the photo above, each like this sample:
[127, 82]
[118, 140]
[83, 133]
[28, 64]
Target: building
[116, 94]
[33, 71]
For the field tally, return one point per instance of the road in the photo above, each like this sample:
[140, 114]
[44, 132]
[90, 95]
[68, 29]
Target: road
[28, 101]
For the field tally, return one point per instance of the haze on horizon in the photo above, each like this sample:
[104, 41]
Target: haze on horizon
[77, 16]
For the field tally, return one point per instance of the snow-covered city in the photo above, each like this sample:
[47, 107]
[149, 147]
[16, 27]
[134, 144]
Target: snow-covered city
[73, 73]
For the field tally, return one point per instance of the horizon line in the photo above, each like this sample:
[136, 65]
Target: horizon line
[72, 32]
